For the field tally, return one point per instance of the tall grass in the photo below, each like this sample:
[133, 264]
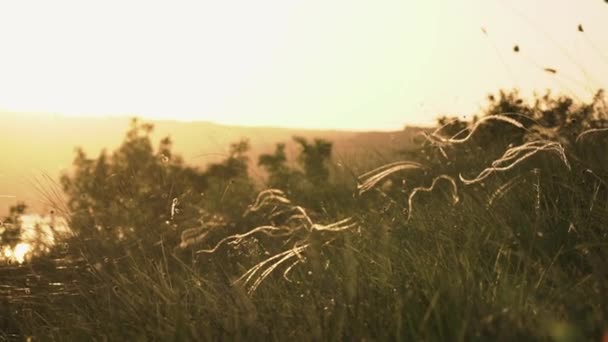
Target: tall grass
[520, 251]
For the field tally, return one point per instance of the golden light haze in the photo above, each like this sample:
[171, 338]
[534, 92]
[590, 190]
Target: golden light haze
[317, 64]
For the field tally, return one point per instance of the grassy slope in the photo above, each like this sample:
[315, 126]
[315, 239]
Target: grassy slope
[530, 265]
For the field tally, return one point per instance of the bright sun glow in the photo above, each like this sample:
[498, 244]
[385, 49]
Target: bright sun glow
[301, 63]
[17, 254]
[21, 251]
[38, 234]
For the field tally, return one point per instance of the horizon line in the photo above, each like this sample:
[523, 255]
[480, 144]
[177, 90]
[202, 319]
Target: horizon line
[151, 118]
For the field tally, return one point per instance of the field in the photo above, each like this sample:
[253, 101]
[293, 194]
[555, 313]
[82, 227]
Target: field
[493, 229]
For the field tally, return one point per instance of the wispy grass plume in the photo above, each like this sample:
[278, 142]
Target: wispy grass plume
[515, 155]
[437, 139]
[369, 179]
[590, 131]
[447, 178]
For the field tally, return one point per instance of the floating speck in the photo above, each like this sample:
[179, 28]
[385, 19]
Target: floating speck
[551, 70]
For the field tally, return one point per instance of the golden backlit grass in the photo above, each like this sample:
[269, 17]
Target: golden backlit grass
[517, 252]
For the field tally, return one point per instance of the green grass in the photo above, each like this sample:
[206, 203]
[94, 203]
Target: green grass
[526, 261]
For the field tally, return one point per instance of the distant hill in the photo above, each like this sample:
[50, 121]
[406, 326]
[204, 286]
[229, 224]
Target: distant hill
[33, 147]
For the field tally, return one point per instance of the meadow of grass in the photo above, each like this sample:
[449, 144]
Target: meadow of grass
[494, 229]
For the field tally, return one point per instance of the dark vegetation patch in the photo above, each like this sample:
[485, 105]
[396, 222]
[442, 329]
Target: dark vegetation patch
[489, 229]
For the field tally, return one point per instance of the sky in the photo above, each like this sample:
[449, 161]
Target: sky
[349, 64]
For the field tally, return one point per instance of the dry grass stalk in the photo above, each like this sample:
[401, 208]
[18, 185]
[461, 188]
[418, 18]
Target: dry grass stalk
[258, 273]
[193, 236]
[346, 224]
[369, 179]
[297, 225]
[437, 139]
[589, 131]
[266, 196]
[515, 155]
[504, 189]
[238, 238]
[451, 180]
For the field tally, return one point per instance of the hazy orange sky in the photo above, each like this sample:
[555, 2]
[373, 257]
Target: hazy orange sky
[303, 63]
